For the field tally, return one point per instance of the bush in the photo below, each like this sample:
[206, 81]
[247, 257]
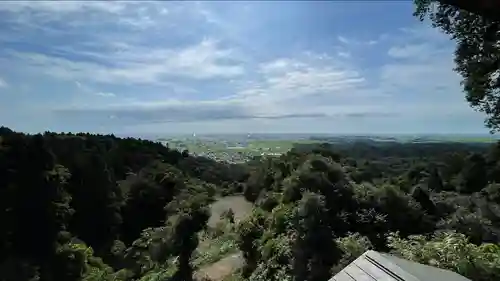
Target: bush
[452, 251]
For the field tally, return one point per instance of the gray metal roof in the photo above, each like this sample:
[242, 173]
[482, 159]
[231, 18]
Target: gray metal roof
[374, 266]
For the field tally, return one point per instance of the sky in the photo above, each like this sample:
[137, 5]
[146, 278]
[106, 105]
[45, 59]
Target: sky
[140, 67]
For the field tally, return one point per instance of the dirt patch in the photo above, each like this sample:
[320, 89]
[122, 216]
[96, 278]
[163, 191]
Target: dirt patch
[228, 265]
[219, 270]
[240, 206]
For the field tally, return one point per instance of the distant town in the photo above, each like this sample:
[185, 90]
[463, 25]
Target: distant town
[240, 148]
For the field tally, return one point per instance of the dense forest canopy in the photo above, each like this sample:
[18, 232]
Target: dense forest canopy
[98, 207]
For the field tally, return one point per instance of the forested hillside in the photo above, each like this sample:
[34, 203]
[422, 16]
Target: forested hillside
[94, 207]
[85, 206]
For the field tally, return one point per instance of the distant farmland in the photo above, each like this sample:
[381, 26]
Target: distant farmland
[240, 149]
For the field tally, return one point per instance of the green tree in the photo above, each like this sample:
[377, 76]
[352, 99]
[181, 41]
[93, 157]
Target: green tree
[477, 55]
[36, 207]
[492, 192]
[421, 195]
[314, 249]
[186, 240]
[403, 212]
[352, 246]
[192, 216]
[75, 262]
[96, 200]
[452, 251]
[249, 231]
[434, 181]
[474, 174]
[148, 194]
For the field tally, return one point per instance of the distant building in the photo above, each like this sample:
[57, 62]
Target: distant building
[375, 266]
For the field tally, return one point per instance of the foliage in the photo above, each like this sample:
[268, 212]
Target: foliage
[91, 207]
[477, 55]
[228, 215]
[62, 192]
[451, 250]
[215, 249]
[352, 246]
[312, 218]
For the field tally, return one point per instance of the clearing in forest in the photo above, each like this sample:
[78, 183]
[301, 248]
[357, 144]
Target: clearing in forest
[238, 204]
[219, 257]
[221, 269]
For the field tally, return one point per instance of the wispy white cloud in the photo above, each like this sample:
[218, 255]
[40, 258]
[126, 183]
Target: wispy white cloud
[136, 64]
[286, 88]
[196, 111]
[423, 66]
[344, 54]
[303, 85]
[78, 13]
[145, 63]
[39, 15]
[106, 94]
[60, 6]
[344, 40]
[416, 51]
[357, 41]
[288, 78]
[313, 85]
[88, 90]
[3, 83]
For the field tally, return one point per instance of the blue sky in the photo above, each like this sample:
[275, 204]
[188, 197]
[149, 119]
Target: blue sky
[227, 67]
